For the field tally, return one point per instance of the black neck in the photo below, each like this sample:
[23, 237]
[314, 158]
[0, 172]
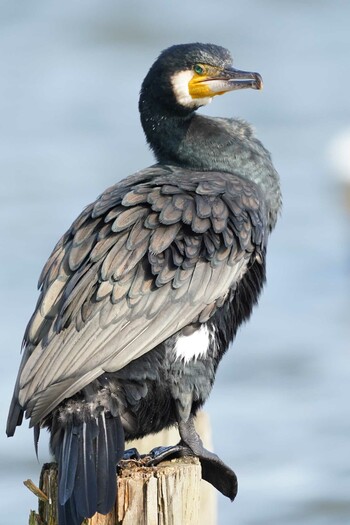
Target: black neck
[183, 138]
[165, 130]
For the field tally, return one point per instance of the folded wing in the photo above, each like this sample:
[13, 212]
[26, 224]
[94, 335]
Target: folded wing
[153, 254]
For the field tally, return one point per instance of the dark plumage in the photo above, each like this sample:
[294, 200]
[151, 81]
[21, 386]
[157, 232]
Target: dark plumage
[171, 254]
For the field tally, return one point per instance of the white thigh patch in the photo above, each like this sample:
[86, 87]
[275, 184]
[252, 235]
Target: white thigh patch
[192, 346]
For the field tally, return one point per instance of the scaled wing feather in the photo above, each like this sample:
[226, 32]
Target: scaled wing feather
[181, 240]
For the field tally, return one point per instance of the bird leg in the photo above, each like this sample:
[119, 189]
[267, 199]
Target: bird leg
[214, 471]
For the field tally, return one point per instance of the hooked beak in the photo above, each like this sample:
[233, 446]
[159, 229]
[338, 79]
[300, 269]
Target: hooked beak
[230, 79]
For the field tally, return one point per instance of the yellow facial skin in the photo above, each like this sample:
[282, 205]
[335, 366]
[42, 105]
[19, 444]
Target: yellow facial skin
[199, 85]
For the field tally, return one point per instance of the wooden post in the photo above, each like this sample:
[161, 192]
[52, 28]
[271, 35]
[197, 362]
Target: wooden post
[168, 494]
[171, 493]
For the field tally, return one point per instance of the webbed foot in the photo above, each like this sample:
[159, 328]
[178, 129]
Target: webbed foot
[214, 471]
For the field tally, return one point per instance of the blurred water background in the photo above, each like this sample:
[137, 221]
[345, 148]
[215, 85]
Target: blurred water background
[70, 74]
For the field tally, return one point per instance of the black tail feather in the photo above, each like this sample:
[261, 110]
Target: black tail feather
[67, 514]
[68, 461]
[85, 489]
[87, 450]
[109, 453]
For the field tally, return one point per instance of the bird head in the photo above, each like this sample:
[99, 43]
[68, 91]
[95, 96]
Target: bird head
[187, 76]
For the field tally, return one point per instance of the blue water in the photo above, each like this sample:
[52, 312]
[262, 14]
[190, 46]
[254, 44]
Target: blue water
[70, 76]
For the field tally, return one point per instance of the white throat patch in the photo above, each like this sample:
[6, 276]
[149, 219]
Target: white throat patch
[180, 82]
[192, 346]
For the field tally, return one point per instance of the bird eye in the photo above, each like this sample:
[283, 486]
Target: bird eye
[198, 69]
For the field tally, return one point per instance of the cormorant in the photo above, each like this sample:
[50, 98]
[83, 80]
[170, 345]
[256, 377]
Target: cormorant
[142, 296]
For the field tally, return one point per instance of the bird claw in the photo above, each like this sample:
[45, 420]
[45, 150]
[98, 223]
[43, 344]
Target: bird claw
[131, 453]
[159, 454]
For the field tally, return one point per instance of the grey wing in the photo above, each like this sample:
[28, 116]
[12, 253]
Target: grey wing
[153, 254]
